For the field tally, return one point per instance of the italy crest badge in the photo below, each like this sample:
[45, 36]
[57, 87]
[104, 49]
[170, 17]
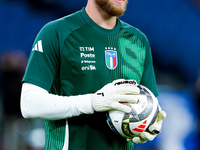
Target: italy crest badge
[111, 59]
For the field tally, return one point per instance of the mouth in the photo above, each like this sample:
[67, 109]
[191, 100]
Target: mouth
[119, 1]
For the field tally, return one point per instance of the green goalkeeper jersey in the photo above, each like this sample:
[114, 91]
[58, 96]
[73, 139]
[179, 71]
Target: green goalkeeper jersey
[75, 56]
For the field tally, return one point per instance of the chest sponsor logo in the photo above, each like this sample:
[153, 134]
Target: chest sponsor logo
[84, 55]
[89, 67]
[111, 59]
[86, 49]
[88, 62]
[87, 58]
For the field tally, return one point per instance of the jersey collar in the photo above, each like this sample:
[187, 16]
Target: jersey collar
[97, 27]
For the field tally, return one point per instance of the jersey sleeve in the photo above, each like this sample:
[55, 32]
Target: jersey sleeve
[148, 77]
[43, 63]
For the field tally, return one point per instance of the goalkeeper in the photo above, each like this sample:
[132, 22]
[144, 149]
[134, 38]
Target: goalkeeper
[72, 72]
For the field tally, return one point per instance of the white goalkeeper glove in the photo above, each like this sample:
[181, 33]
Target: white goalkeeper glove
[110, 96]
[154, 129]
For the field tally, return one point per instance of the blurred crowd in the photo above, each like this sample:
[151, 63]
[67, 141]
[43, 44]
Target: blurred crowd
[172, 28]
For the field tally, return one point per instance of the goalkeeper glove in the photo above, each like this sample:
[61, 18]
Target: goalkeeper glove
[154, 129]
[110, 96]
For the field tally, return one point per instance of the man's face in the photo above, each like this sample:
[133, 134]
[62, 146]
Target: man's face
[113, 7]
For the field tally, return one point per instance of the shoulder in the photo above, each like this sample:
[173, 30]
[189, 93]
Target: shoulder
[64, 25]
[133, 30]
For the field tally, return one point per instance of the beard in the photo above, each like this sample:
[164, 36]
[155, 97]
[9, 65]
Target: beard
[113, 9]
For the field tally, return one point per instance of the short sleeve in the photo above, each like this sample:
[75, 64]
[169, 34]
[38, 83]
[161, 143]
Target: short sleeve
[43, 63]
[148, 77]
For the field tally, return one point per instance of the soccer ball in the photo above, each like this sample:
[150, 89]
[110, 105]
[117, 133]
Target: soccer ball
[143, 114]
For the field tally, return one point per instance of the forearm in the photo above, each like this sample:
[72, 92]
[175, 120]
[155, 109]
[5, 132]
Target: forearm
[39, 104]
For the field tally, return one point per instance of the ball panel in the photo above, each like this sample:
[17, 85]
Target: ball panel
[126, 129]
[141, 104]
[115, 120]
[154, 117]
[148, 109]
[138, 127]
[110, 124]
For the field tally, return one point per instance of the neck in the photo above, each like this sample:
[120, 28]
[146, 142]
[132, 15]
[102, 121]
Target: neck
[99, 16]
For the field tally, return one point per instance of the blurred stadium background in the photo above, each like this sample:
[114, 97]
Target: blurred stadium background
[173, 29]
